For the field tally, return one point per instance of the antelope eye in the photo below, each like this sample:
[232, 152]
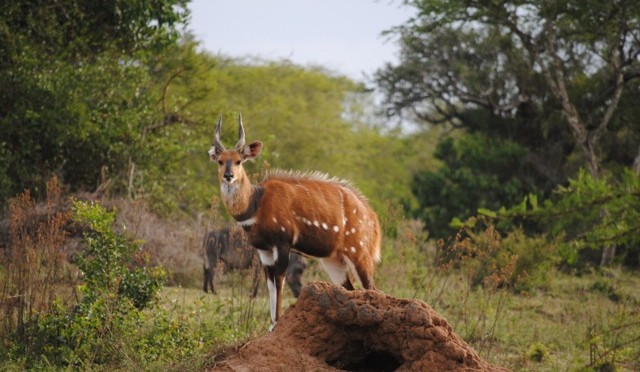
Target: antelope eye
[238, 162]
[219, 162]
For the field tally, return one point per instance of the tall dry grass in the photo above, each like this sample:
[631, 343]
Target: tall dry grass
[33, 266]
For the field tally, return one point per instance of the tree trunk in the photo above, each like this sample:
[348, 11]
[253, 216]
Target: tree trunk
[608, 253]
[636, 163]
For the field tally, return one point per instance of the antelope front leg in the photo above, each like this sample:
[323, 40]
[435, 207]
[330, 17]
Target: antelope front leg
[275, 263]
[280, 273]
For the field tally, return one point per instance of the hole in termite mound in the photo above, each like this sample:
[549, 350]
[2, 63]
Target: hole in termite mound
[357, 359]
[374, 361]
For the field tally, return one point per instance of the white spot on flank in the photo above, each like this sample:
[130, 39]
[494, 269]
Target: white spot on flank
[282, 228]
[347, 234]
[316, 223]
[353, 230]
[336, 228]
[354, 211]
[325, 226]
[353, 249]
[275, 220]
[361, 243]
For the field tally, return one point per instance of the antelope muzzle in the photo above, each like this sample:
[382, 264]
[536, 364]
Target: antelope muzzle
[228, 171]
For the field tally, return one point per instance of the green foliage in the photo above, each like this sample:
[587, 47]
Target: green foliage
[488, 67]
[476, 172]
[75, 89]
[115, 288]
[598, 211]
[537, 352]
[118, 321]
[171, 335]
[81, 28]
[587, 214]
[108, 263]
[526, 261]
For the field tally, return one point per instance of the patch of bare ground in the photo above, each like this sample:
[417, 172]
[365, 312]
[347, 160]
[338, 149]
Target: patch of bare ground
[331, 329]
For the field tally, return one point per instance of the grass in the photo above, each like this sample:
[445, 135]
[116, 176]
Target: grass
[570, 320]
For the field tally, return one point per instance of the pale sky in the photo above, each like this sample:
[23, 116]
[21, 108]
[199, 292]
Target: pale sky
[340, 35]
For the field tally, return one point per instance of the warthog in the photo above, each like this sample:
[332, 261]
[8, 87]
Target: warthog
[232, 249]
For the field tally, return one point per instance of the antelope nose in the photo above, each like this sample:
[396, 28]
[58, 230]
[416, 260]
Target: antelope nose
[228, 176]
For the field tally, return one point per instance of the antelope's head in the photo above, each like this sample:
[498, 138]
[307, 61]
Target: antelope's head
[230, 168]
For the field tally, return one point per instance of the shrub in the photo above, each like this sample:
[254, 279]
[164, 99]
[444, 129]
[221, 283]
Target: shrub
[515, 261]
[117, 285]
[113, 265]
[537, 352]
[33, 266]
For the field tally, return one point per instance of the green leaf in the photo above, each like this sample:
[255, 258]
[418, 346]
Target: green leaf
[487, 212]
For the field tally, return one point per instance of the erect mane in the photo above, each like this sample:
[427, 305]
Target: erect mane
[313, 176]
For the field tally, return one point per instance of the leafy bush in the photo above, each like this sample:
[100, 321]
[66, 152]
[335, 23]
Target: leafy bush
[537, 352]
[76, 89]
[113, 265]
[478, 171]
[588, 215]
[515, 261]
[117, 285]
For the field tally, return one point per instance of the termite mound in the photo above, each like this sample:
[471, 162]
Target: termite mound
[330, 328]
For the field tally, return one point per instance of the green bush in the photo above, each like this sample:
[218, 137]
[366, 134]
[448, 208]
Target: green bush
[516, 260]
[111, 263]
[537, 352]
[117, 285]
[586, 218]
[536, 258]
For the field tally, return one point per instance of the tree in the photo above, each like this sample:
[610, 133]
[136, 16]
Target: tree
[509, 57]
[493, 169]
[562, 74]
[75, 90]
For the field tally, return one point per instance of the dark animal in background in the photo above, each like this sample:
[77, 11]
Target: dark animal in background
[232, 249]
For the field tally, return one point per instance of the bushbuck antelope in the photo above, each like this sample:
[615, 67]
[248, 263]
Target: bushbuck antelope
[309, 212]
[232, 249]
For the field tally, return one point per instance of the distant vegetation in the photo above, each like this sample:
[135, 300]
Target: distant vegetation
[522, 179]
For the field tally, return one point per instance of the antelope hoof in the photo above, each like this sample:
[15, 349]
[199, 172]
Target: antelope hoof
[272, 326]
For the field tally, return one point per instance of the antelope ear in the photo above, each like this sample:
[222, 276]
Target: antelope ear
[213, 153]
[252, 150]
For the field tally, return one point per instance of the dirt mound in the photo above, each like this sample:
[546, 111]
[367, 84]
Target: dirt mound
[330, 328]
